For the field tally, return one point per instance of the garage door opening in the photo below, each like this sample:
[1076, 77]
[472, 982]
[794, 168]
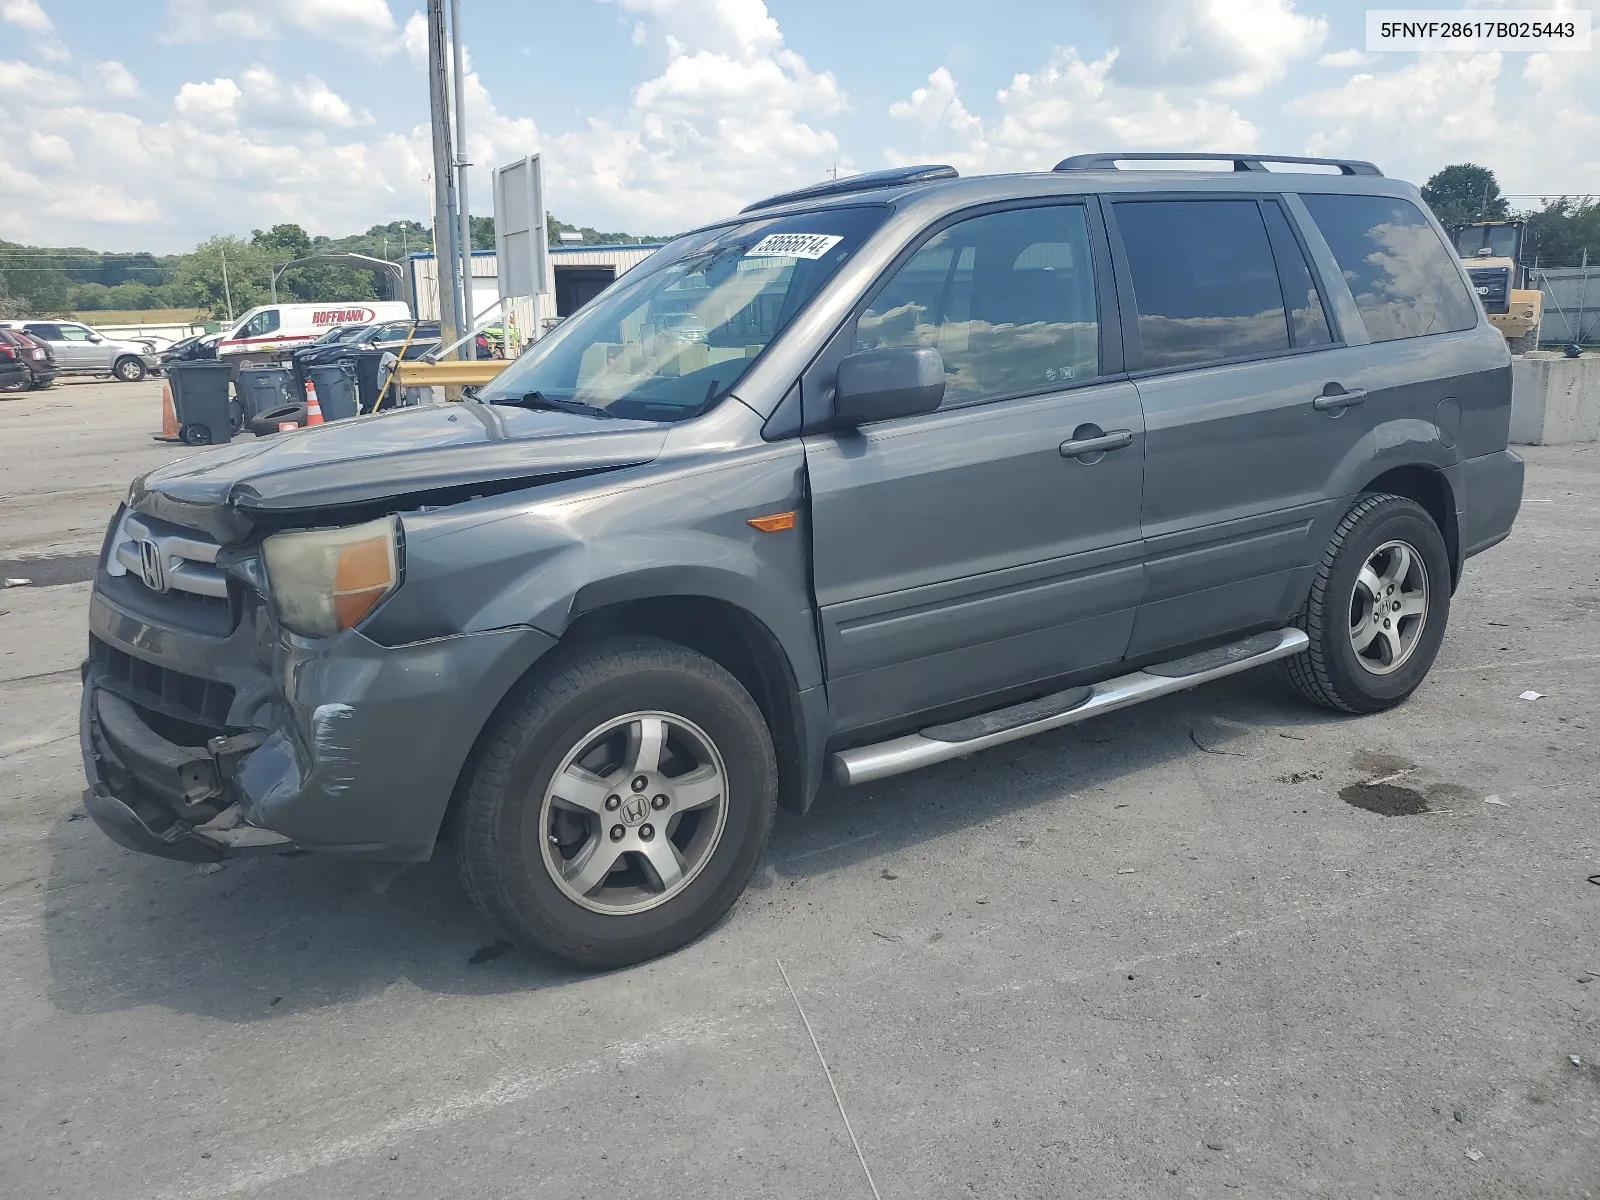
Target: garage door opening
[576, 286]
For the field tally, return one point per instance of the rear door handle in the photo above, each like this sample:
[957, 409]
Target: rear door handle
[1339, 401]
[1117, 439]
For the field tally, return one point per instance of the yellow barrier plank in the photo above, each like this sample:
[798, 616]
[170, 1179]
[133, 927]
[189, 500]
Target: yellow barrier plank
[414, 373]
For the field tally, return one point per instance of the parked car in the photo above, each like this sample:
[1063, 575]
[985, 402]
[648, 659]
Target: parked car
[940, 463]
[270, 332]
[35, 355]
[200, 347]
[14, 373]
[79, 350]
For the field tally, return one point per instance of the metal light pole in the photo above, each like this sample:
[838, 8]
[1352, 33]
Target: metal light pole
[444, 191]
[462, 164]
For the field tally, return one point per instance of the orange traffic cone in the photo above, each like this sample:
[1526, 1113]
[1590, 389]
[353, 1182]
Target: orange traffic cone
[313, 407]
[169, 416]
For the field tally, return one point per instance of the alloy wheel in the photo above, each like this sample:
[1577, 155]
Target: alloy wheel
[633, 813]
[1389, 607]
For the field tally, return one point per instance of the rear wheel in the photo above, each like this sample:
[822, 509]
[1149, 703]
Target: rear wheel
[1377, 610]
[618, 807]
[129, 369]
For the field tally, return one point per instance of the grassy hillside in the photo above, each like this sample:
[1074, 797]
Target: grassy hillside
[141, 316]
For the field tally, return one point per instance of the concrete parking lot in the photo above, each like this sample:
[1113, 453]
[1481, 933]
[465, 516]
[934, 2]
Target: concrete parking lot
[1178, 951]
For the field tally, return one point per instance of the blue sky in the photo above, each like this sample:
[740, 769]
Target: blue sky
[158, 123]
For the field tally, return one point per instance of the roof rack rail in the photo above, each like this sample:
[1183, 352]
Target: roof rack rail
[1241, 162]
[871, 181]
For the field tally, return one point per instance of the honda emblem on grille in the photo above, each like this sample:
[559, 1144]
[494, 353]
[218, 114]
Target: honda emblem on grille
[152, 566]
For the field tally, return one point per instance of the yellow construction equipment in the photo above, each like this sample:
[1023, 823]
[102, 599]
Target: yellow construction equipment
[1492, 251]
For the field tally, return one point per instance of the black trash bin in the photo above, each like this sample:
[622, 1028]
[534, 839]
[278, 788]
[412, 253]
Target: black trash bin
[369, 378]
[336, 388]
[201, 401]
[263, 389]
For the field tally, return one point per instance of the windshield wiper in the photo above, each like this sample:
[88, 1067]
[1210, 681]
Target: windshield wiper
[540, 400]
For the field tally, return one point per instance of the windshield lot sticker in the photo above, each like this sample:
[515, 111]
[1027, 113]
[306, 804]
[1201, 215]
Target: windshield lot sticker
[794, 245]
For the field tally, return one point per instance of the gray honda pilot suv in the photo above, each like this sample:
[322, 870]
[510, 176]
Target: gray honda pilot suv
[870, 476]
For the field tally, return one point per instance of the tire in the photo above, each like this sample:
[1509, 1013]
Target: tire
[533, 887]
[1528, 341]
[40, 385]
[21, 385]
[129, 369]
[266, 424]
[1395, 652]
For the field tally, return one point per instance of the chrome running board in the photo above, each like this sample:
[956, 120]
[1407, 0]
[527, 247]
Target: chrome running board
[942, 742]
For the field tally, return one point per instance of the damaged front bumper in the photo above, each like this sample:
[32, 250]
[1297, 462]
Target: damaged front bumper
[343, 745]
[177, 797]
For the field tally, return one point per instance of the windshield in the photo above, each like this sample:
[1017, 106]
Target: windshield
[1499, 240]
[671, 339]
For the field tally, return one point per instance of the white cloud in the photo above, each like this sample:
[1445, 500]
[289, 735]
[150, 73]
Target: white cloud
[1225, 47]
[1536, 122]
[733, 115]
[414, 39]
[1345, 58]
[259, 100]
[116, 81]
[22, 81]
[1068, 107]
[365, 24]
[26, 14]
[50, 148]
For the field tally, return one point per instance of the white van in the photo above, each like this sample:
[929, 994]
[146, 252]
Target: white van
[272, 331]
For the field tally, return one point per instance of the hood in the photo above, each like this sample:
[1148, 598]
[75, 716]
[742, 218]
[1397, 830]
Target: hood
[391, 456]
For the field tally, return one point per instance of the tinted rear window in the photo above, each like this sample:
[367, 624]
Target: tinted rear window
[1204, 281]
[1405, 281]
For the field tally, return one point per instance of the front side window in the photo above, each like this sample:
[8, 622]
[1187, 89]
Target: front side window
[74, 333]
[1007, 298]
[263, 323]
[1404, 280]
[675, 335]
[1204, 281]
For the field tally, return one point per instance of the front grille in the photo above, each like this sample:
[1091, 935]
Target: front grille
[161, 691]
[166, 558]
[170, 575]
[1493, 285]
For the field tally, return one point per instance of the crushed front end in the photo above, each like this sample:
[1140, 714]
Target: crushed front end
[209, 730]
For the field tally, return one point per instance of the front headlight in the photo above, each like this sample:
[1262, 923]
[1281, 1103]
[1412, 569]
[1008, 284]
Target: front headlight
[329, 579]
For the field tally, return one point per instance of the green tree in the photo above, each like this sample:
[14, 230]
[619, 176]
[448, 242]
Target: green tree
[1465, 192]
[1560, 233]
[199, 277]
[289, 241]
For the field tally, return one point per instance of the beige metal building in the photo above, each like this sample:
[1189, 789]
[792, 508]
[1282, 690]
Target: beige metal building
[577, 275]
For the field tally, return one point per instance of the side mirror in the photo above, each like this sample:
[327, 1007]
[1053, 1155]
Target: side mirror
[896, 381]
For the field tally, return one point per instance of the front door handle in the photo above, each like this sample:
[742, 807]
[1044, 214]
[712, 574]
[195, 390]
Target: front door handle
[1087, 441]
[1339, 401]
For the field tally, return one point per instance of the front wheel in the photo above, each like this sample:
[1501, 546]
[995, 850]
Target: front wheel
[129, 369]
[619, 804]
[1377, 610]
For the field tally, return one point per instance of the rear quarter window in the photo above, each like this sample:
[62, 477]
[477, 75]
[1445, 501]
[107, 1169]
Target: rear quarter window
[1404, 279]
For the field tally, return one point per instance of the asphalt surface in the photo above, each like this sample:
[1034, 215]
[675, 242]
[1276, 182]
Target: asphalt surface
[1177, 951]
